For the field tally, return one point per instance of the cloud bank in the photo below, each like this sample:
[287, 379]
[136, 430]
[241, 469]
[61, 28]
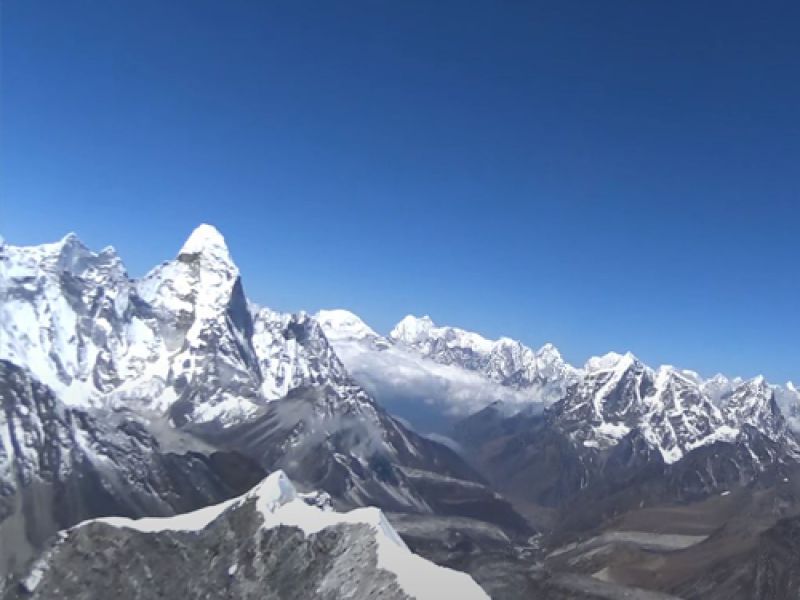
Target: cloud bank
[428, 394]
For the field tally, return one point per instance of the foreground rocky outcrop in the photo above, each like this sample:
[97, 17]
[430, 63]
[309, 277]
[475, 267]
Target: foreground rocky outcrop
[271, 543]
[61, 465]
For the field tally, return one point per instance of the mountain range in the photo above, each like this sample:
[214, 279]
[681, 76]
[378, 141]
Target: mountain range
[133, 407]
[508, 374]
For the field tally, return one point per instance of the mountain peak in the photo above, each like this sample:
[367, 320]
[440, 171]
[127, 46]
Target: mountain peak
[719, 378]
[68, 245]
[609, 361]
[206, 247]
[205, 239]
[424, 320]
[549, 350]
[368, 542]
[411, 328]
[70, 238]
[342, 324]
[67, 254]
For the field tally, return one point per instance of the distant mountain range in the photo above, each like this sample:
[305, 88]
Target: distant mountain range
[514, 377]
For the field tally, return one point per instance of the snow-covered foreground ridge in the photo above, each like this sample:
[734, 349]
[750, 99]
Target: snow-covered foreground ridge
[279, 504]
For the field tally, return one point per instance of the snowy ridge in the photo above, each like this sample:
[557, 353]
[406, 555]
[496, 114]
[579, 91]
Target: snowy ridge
[504, 361]
[292, 352]
[182, 341]
[671, 408]
[675, 410]
[43, 291]
[279, 504]
[421, 332]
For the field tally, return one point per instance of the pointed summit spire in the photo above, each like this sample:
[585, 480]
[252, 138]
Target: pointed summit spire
[205, 238]
[70, 238]
[412, 329]
[206, 245]
[69, 244]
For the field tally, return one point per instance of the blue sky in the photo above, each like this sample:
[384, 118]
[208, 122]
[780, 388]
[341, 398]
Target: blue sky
[615, 175]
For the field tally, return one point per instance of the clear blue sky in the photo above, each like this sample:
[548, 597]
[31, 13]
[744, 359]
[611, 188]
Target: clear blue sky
[602, 175]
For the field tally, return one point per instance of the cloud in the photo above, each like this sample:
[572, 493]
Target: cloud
[395, 376]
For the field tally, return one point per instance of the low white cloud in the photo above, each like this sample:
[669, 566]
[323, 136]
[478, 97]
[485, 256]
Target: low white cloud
[399, 376]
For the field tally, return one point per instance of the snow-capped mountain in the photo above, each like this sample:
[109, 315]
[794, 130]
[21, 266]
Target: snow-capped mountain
[181, 354]
[341, 325]
[62, 310]
[182, 340]
[675, 410]
[75, 319]
[671, 408]
[271, 540]
[626, 426]
[504, 361]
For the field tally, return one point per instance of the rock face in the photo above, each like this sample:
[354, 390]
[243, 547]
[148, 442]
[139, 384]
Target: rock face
[269, 543]
[770, 570]
[339, 440]
[60, 465]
